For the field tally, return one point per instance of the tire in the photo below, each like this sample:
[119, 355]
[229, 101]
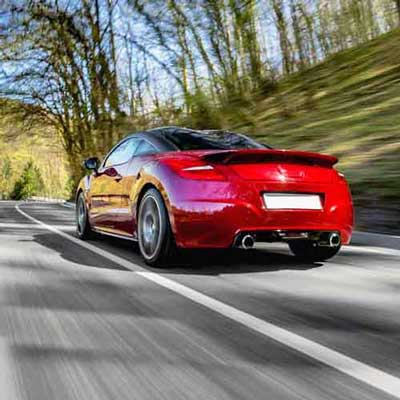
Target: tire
[156, 241]
[83, 228]
[310, 251]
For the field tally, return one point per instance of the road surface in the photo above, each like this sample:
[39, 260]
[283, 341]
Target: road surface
[88, 320]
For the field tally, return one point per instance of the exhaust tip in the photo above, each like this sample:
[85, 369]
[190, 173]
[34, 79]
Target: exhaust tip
[334, 239]
[247, 242]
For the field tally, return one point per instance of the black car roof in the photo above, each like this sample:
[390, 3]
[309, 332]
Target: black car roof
[156, 137]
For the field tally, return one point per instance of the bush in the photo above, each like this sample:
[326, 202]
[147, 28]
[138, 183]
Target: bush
[5, 178]
[29, 184]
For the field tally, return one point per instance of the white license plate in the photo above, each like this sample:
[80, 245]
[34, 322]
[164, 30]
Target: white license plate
[292, 201]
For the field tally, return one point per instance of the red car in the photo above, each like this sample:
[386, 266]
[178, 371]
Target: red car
[172, 188]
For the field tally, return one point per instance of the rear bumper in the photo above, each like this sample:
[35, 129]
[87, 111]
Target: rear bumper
[217, 224]
[212, 214]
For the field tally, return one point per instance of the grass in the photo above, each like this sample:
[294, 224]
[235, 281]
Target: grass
[349, 106]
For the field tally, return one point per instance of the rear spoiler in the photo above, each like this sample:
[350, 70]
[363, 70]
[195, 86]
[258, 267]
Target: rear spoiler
[256, 156]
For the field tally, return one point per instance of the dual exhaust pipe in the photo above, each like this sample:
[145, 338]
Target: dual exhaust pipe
[247, 242]
[332, 240]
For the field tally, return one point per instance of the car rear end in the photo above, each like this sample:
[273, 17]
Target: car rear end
[236, 198]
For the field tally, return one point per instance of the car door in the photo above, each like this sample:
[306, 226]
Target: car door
[143, 153]
[106, 190]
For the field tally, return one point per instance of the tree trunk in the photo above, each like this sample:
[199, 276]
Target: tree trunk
[298, 34]
[397, 2]
[287, 64]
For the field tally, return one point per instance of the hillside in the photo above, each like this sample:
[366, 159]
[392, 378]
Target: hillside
[348, 106]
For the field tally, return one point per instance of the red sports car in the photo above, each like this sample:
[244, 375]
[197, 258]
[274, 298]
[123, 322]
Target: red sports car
[172, 188]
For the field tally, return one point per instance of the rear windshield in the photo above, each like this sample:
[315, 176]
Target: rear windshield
[209, 140]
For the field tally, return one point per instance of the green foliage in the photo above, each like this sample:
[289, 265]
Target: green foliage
[29, 184]
[70, 188]
[20, 143]
[203, 114]
[5, 176]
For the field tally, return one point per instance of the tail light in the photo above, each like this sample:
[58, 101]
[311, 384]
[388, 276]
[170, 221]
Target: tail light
[194, 169]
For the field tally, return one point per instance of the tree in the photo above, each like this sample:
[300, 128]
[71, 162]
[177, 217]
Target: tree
[29, 184]
[67, 68]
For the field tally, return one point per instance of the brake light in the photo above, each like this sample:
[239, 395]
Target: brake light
[194, 169]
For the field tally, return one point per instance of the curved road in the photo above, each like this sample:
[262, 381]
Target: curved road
[87, 321]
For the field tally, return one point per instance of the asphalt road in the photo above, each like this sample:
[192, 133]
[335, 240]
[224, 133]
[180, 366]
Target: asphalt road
[81, 323]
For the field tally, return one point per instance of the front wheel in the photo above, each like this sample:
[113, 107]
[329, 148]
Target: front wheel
[156, 242]
[310, 251]
[83, 228]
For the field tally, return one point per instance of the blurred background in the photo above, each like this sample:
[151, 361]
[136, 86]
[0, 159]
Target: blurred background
[78, 75]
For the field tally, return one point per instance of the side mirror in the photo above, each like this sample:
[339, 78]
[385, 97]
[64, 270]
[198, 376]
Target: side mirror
[91, 163]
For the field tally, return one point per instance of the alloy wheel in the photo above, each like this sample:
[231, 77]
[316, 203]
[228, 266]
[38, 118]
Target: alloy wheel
[81, 215]
[150, 227]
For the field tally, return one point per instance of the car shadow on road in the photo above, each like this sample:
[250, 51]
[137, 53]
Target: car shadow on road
[75, 253]
[236, 261]
[194, 262]
[211, 261]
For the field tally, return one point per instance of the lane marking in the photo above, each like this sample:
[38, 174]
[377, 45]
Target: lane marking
[24, 226]
[373, 250]
[376, 234]
[351, 249]
[356, 369]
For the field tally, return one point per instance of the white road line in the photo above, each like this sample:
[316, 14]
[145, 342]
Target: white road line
[35, 226]
[345, 249]
[349, 366]
[373, 250]
[377, 234]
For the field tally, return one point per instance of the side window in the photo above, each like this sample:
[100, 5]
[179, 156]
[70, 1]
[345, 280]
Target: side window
[122, 153]
[145, 148]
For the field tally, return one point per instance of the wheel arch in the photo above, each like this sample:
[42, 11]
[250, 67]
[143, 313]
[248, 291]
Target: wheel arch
[147, 186]
[83, 187]
[78, 192]
[157, 186]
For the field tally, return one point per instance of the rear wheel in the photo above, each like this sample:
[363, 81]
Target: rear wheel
[83, 228]
[310, 251]
[156, 241]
